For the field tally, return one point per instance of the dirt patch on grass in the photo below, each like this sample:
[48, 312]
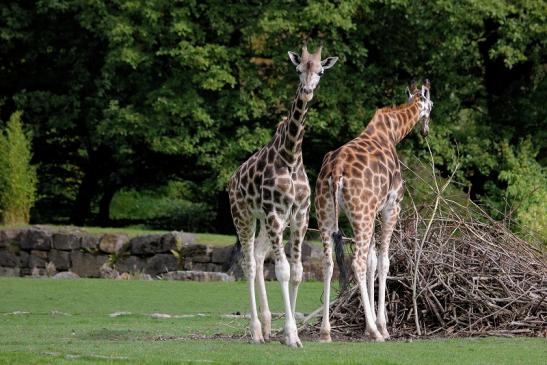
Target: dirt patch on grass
[116, 335]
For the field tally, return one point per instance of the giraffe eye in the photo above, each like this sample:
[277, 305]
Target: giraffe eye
[320, 73]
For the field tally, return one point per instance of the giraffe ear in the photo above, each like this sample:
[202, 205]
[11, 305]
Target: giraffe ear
[295, 59]
[328, 62]
[413, 87]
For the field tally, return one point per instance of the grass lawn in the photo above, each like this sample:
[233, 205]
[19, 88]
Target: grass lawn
[45, 321]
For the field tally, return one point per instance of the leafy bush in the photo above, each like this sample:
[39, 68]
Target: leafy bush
[17, 175]
[167, 208]
[526, 186]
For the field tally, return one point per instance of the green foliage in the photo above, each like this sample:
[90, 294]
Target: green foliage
[17, 175]
[162, 208]
[526, 191]
[130, 94]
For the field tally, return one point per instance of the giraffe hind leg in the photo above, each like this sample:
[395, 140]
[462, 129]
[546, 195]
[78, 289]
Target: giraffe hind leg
[363, 234]
[327, 222]
[390, 215]
[372, 261]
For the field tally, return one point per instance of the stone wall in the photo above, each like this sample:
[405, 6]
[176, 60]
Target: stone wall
[40, 250]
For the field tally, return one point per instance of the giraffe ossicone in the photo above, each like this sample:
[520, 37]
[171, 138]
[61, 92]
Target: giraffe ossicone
[363, 177]
[272, 187]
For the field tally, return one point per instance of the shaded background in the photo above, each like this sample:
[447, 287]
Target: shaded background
[141, 110]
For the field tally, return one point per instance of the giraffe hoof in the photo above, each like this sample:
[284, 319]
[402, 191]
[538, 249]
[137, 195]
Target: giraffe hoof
[292, 341]
[375, 336]
[378, 338]
[325, 338]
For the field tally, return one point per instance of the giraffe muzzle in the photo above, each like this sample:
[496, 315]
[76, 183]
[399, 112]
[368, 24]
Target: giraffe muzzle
[425, 129]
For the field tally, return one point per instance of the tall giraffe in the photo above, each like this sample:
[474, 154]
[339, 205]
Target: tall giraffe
[272, 187]
[363, 177]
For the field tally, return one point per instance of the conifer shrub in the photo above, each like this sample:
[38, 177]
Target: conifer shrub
[17, 176]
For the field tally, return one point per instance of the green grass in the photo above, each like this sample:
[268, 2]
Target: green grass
[215, 239]
[68, 322]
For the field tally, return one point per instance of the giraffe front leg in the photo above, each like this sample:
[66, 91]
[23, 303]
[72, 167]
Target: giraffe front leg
[299, 225]
[246, 234]
[274, 225]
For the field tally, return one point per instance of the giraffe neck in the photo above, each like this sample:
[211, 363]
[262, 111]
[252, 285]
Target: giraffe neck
[392, 125]
[291, 132]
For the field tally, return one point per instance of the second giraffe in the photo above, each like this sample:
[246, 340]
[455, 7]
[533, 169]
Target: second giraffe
[363, 177]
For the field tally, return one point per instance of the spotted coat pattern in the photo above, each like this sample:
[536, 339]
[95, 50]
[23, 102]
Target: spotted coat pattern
[272, 187]
[363, 177]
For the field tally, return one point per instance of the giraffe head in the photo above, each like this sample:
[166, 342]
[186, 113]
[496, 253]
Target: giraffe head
[423, 98]
[310, 68]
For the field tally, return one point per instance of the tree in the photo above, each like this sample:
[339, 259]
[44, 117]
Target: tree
[131, 94]
[17, 175]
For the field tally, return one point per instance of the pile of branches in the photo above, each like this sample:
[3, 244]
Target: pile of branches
[454, 272]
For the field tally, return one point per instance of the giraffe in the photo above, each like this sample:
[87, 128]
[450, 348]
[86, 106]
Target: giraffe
[363, 177]
[272, 187]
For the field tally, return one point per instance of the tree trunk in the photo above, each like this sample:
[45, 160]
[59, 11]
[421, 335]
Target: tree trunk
[86, 193]
[104, 205]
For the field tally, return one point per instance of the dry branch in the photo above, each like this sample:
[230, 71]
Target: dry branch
[454, 272]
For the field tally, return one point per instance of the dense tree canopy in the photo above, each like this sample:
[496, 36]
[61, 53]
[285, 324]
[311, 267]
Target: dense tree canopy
[133, 94]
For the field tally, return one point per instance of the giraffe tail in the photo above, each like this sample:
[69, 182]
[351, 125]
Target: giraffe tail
[337, 236]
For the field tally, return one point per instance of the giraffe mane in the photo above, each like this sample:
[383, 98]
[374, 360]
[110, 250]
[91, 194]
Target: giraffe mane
[282, 122]
[393, 108]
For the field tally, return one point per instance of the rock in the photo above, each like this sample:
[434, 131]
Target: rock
[8, 236]
[185, 238]
[61, 259]
[89, 242]
[160, 263]
[112, 243]
[269, 272]
[176, 239]
[194, 250]
[151, 244]
[8, 259]
[236, 268]
[197, 276]
[10, 271]
[35, 239]
[108, 272]
[66, 241]
[86, 264]
[36, 272]
[203, 258]
[313, 269]
[66, 275]
[23, 259]
[307, 250]
[199, 266]
[130, 264]
[221, 255]
[51, 269]
[37, 259]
